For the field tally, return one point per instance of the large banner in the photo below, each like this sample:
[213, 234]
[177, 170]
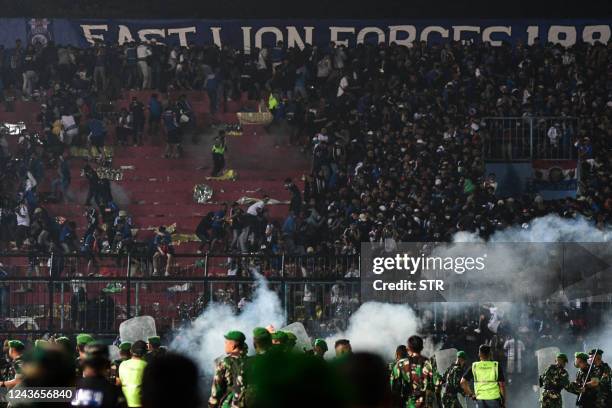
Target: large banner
[247, 34]
[555, 179]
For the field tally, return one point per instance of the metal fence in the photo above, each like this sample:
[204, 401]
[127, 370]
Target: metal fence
[529, 138]
[47, 293]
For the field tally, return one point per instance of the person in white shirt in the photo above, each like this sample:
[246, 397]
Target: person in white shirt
[23, 224]
[514, 349]
[143, 52]
[343, 86]
[69, 128]
[257, 207]
[324, 68]
[250, 220]
[553, 135]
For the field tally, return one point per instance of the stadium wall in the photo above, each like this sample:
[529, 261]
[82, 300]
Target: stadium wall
[247, 34]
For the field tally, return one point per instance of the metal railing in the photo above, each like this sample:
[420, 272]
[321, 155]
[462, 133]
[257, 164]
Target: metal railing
[48, 293]
[529, 138]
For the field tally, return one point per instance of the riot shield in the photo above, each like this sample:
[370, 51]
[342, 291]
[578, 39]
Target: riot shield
[303, 342]
[137, 328]
[546, 356]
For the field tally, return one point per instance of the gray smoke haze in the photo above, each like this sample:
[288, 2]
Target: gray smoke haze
[550, 228]
[202, 340]
[378, 327]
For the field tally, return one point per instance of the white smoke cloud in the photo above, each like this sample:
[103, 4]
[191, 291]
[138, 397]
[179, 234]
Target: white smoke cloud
[203, 340]
[375, 327]
[379, 328]
[550, 228]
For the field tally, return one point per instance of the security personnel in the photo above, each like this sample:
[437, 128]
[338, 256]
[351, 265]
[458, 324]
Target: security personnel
[154, 347]
[124, 355]
[320, 348]
[601, 370]
[15, 353]
[451, 379]
[488, 380]
[552, 381]
[411, 378]
[82, 340]
[65, 345]
[218, 154]
[227, 371]
[245, 389]
[279, 341]
[131, 372]
[94, 389]
[291, 341]
[41, 344]
[586, 384]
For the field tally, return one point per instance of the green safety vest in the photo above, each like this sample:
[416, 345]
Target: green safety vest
[272, 102]
[485, 380]
[218, 149]
[130, 374]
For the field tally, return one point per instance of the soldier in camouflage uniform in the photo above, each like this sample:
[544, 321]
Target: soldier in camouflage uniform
[412, 378]
[552, 381]
[246, 390]
[82, 340]
[451, 379]
[601, 370]
[591, 393]
[15, 352]
[228, 371]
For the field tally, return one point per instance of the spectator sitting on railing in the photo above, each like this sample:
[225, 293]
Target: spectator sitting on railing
[162, 244]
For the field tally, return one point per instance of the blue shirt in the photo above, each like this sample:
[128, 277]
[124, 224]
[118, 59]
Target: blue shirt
[162, 239]
[169, 119]
[66, 234]
[97, 129]
[289, 225]
[155, 107]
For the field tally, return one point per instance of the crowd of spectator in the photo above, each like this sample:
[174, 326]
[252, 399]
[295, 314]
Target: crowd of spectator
[396, 137]
[396, 134]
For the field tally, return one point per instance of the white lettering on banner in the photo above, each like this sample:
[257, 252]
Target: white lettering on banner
[533, 32]
[263, 30]
[294, 39]
[433, 29]
[409, 29]
[216, 33]
[89, 36]
[371, 30]
[334, 31]
[457, 30]
[142, 34]
[124, 35]
[486, 34]
[602, 30]
[182, 33]
[568, 33]
[246, 39]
